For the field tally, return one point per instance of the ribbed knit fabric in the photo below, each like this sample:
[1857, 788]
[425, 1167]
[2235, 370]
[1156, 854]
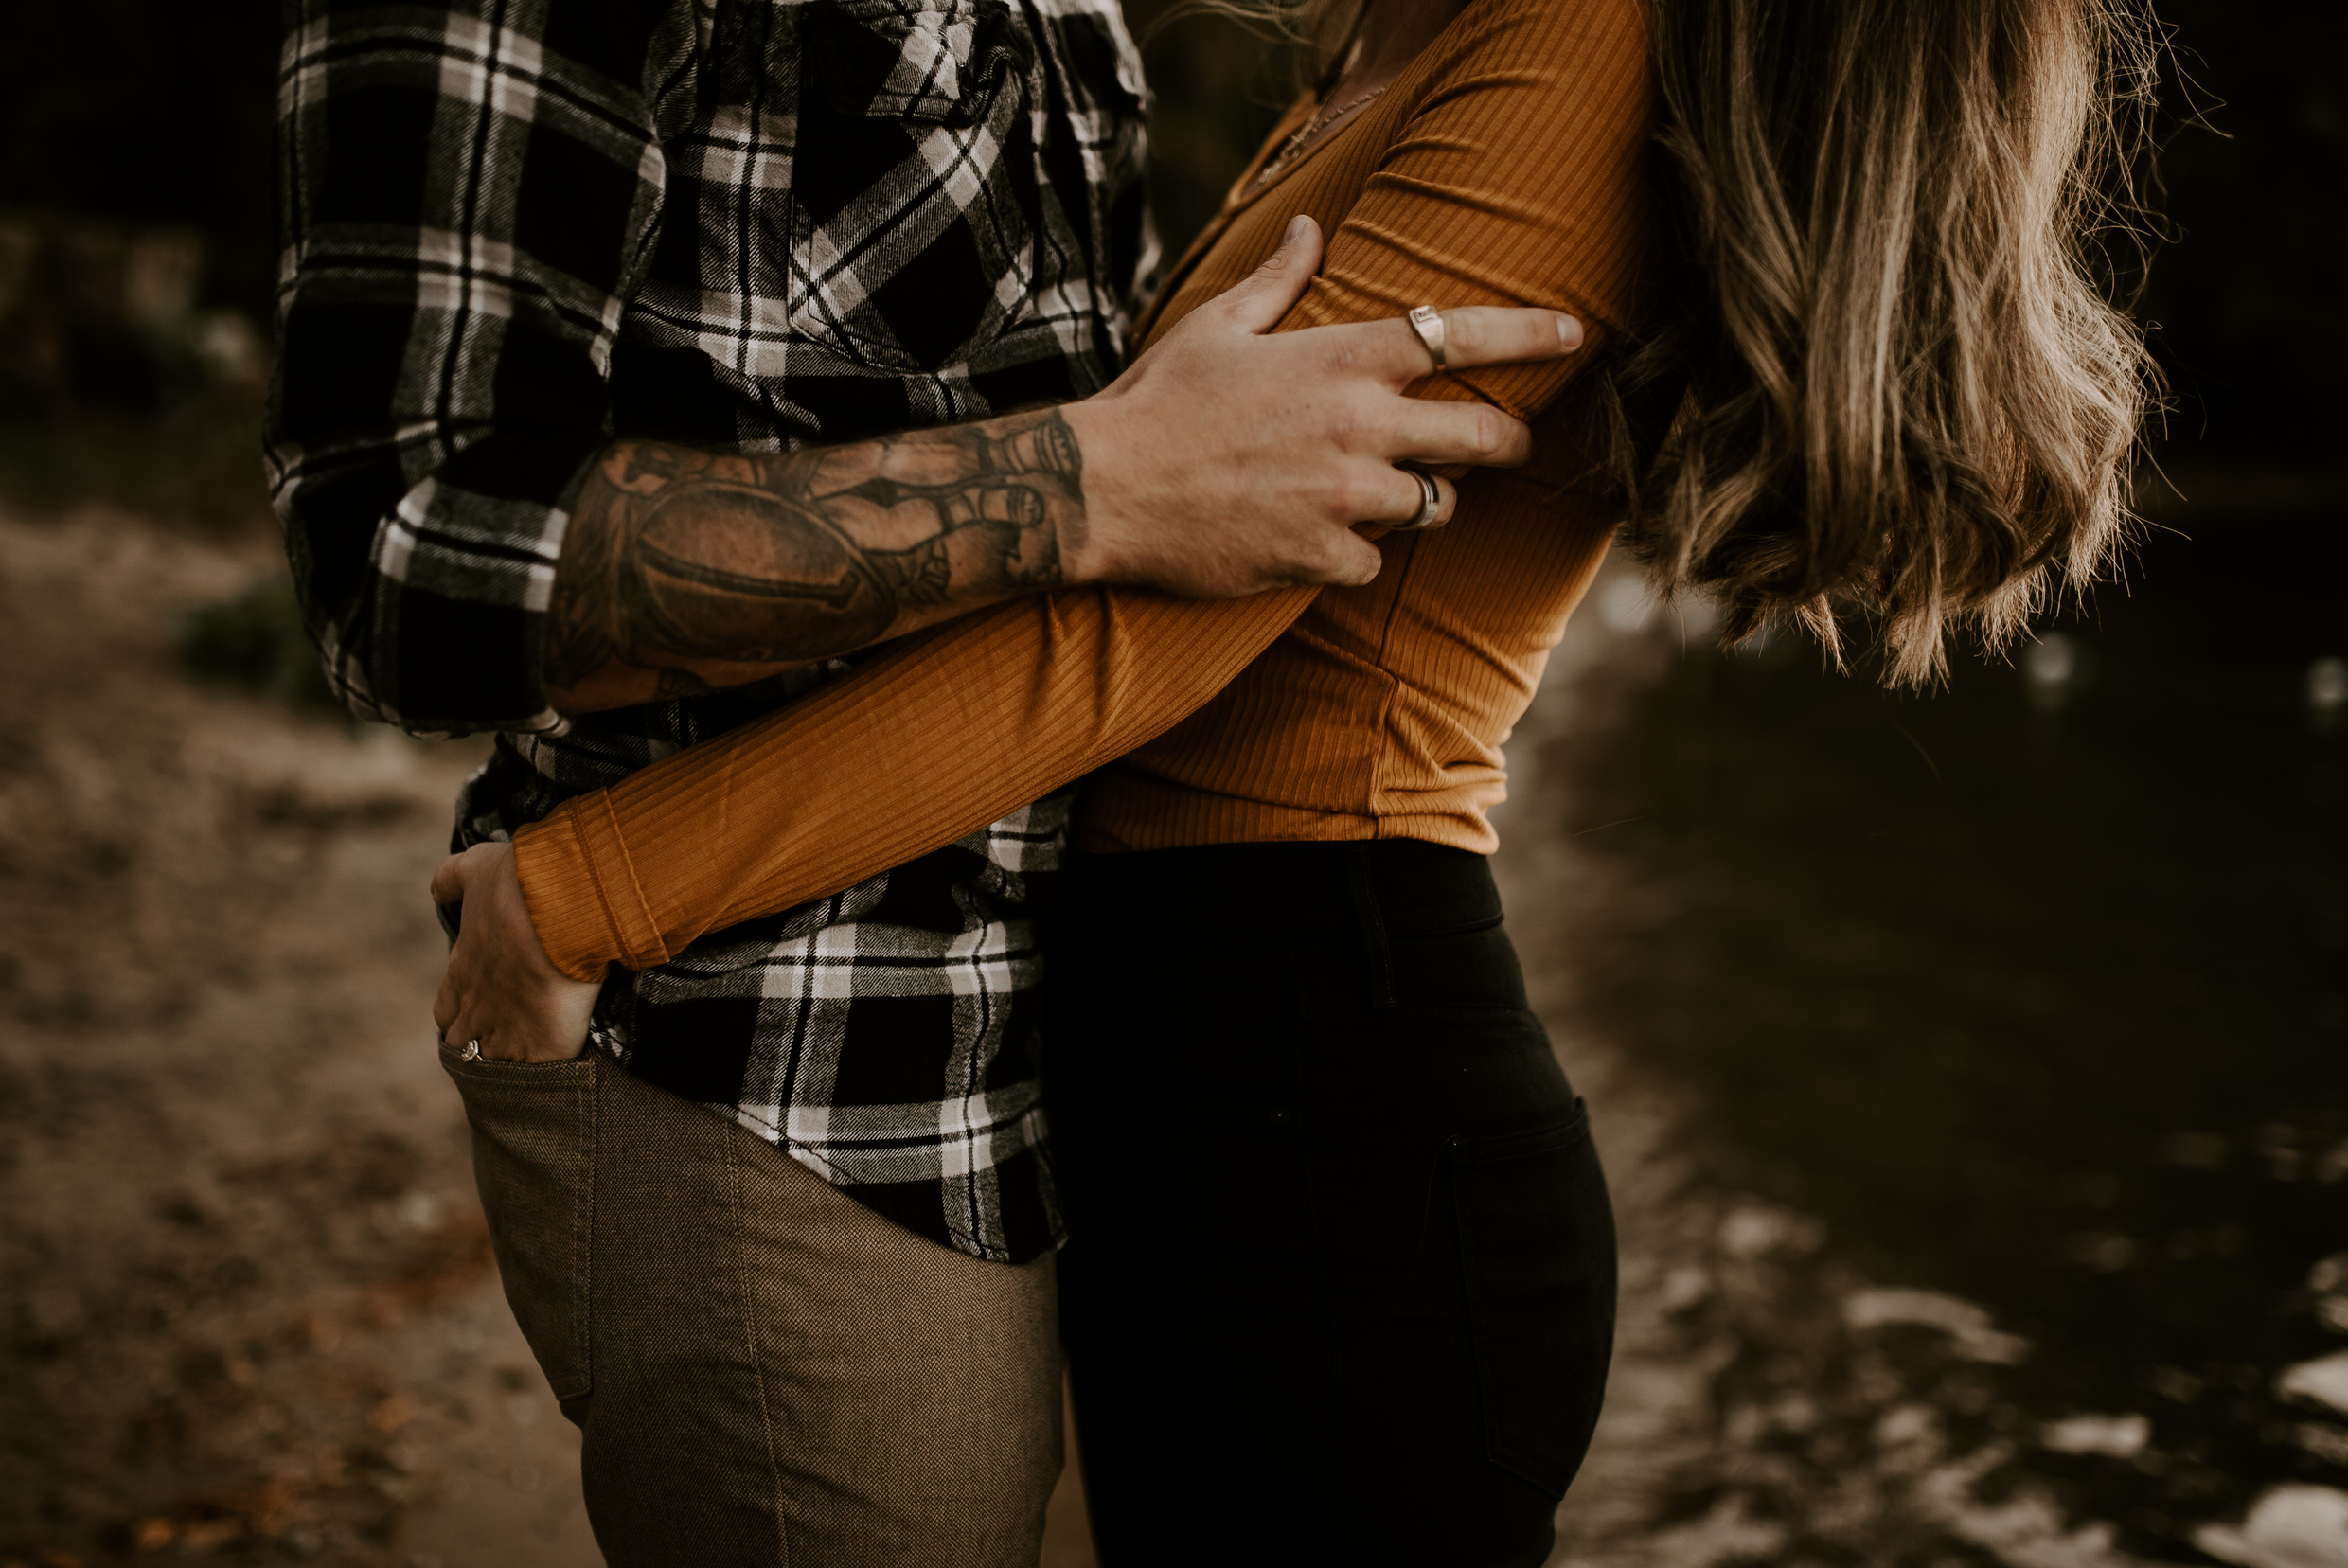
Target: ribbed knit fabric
[1506, 167]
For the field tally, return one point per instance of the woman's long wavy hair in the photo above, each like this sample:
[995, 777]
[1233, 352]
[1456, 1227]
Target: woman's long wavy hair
[1880, 372]
[1897, 383]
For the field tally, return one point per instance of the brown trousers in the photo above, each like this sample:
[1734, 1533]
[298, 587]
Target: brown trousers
[765, 1372]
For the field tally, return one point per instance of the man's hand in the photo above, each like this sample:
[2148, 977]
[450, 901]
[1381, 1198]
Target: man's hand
[1230, 459]
[501, 988]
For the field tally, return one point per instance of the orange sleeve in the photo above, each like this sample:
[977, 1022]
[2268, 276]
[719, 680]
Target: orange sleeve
[1520, 180]
[1514, 184]
[943, 733]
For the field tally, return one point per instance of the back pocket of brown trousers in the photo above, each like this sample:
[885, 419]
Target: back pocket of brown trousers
[1537, 1249]
[534, 1160]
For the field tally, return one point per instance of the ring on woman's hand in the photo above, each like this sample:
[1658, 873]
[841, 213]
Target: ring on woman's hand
[1428, 323]
[471, 1051]
[1430, 503]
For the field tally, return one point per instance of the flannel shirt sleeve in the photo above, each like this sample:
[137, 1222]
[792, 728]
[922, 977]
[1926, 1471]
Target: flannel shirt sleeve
[468, 195]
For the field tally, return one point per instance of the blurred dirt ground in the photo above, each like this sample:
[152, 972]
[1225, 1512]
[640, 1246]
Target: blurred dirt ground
[250, 1307]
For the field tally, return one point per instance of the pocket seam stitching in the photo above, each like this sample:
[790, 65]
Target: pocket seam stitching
[582, 1269]
[1499, 1148]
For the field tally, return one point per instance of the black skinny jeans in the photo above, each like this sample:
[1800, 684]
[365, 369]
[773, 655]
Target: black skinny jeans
[1342, 1283]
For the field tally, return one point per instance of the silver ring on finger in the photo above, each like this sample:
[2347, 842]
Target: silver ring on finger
[1428, 323]
[471, 1051]
[1430, 503]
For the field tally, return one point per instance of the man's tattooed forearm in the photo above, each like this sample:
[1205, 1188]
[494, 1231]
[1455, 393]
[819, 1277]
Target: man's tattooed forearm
[679, 557]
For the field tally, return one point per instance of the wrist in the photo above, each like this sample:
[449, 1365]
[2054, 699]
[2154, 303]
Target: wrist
[571, 870]
[1096, 551]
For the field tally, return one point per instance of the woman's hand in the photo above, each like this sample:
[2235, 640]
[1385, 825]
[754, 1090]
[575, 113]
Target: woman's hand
[501, 988]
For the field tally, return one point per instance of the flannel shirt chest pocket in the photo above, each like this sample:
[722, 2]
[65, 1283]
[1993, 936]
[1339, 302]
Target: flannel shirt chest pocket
[917, 199]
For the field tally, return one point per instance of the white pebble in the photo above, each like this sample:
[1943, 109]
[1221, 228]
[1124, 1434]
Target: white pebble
[2324, 1380]
[2114, 1437]
[2294, 1526]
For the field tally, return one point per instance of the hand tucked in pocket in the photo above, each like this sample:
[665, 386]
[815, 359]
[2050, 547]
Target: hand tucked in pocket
[501, 989]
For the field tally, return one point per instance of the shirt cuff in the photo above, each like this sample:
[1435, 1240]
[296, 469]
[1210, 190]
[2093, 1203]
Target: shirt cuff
[583, 892]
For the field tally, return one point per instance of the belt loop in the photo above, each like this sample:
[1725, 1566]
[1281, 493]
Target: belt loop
[1373, 923]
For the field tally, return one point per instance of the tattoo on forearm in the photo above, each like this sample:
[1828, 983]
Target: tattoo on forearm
[678, 556]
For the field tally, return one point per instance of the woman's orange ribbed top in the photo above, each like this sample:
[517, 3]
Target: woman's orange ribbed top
[1507, 167]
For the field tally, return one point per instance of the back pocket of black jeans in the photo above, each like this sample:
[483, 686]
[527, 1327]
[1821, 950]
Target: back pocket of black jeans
[1536, 1251]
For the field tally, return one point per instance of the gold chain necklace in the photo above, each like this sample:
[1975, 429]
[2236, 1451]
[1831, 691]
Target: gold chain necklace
[1322, 119]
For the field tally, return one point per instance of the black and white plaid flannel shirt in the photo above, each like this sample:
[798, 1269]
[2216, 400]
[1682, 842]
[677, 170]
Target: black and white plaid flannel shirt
[512, 230]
